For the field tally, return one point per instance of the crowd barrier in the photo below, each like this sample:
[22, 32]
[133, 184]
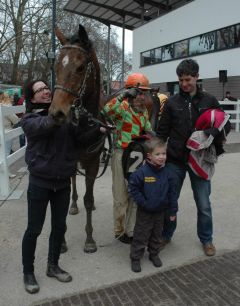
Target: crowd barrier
[235, 113]
[6, 161]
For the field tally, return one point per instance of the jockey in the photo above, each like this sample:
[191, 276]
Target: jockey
[130, 116]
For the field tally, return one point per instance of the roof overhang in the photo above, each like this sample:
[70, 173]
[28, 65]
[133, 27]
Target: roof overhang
[130, 13]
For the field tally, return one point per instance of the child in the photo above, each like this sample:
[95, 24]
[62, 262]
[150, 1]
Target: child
[152, 187]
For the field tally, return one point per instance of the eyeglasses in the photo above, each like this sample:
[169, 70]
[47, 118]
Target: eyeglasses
[41, 89]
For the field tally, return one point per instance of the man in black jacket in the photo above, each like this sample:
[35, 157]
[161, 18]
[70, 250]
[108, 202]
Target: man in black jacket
[177, 124]
[51, 156]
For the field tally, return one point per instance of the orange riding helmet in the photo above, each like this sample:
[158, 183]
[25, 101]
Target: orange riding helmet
[137, 80]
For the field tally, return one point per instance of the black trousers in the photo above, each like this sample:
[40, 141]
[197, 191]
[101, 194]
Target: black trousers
[147, 233]
[38, 199]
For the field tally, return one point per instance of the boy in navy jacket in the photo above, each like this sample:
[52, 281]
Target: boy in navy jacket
[152, 187]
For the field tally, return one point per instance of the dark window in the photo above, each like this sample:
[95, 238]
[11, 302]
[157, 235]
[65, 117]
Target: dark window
[237, 35]
[152, 56]
[225, 38]
[146, 58]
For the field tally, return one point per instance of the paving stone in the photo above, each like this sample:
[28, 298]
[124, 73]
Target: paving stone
[209, 282]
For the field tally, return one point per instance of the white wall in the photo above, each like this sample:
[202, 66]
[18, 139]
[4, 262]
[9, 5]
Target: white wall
[197, 17]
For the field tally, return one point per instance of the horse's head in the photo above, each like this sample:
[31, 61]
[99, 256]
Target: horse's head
[77, 75]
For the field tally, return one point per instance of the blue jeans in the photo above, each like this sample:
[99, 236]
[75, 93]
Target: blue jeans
[38, 199]
[201, 192]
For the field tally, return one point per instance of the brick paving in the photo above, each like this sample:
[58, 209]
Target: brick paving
[214, 281]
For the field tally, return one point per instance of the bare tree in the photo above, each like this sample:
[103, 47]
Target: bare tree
[24, 46]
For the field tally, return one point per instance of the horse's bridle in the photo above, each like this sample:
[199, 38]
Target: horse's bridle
[81, 91]
[77, 108]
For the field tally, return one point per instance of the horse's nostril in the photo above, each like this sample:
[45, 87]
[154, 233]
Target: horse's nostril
[59, 117]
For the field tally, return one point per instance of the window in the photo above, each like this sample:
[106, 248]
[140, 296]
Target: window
[146, 58]
[181, 49]
[167, 52]
[220, 39]
[202, 43]
[237, 35]
[158, 55]
[225, 38]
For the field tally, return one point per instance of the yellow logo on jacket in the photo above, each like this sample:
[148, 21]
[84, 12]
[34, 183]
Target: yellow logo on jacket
[149, 179]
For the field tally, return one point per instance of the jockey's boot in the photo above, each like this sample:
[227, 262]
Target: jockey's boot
[30, 283]
[58, 273]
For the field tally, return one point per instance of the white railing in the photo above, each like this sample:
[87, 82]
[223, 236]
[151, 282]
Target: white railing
[235, 114]
[6, 161]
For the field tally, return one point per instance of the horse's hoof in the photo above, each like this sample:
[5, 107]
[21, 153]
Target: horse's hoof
[73, 211]
[90, 247]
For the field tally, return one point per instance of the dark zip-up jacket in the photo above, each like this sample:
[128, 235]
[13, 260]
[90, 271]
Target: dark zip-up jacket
[51, 153]
[154, 189]
[178, 120]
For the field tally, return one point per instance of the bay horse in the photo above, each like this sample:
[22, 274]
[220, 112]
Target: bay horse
[78, 90]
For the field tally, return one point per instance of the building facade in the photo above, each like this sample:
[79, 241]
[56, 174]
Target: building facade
[206, 31]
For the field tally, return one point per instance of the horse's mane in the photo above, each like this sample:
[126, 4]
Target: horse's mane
[87, 45]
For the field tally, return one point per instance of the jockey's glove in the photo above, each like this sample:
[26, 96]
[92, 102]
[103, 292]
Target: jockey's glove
[131, 93]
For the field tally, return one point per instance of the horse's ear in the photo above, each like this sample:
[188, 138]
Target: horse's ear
[63, 40]
[82, 34]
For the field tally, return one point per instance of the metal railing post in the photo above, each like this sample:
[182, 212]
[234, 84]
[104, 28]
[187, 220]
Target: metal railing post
[4, 177]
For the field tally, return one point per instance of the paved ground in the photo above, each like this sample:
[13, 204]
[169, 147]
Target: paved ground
[104, 278]
[215, 281]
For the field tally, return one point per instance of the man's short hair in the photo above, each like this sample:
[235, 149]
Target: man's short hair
[154, 143]
[187, 67]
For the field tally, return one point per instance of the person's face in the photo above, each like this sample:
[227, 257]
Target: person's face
[188, 83]
[138, 104]
[158, 156]
[42, 93]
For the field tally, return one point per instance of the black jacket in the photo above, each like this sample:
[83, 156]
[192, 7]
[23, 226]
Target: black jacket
[178, 120]
[51, 153]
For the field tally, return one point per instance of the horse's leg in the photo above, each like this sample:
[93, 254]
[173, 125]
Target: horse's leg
[74, 208]
[91, 173]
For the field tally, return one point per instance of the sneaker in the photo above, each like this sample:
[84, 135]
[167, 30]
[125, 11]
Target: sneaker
[209, 249]
[164, 242]
[155, 259]
[124, 238]
[30, 283]
[58, 273]
[135, 266]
